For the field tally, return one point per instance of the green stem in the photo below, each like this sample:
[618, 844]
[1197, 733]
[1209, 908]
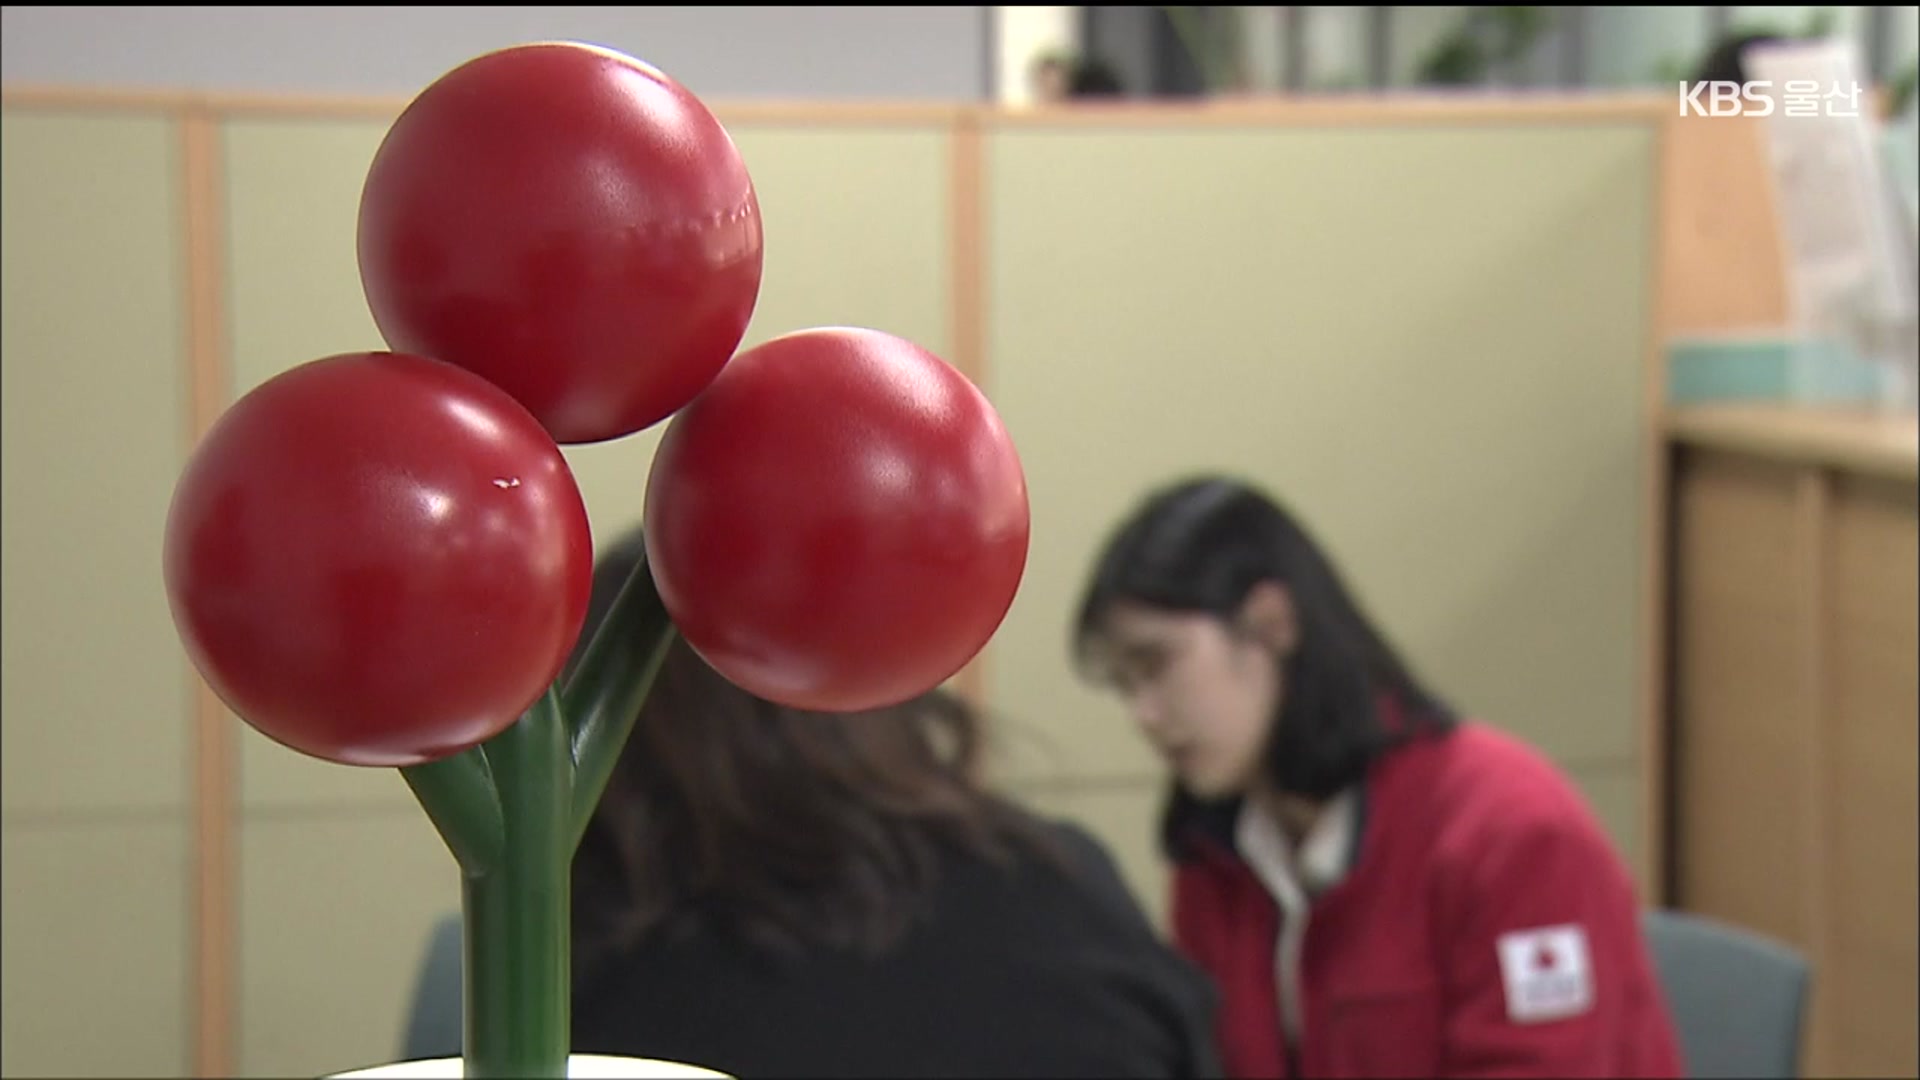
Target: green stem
[459, 798]
[518, 909]
[512, 811]
[603, 695]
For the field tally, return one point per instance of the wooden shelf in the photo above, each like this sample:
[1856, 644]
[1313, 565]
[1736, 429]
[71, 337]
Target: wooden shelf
[1848, 439]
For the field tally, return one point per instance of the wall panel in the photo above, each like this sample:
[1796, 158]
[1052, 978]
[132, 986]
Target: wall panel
[99, 966]
[336, 913]
[95, 430]
[97, 716]
[1431, 343]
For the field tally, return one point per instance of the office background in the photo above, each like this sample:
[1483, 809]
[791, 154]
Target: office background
[1441, 330]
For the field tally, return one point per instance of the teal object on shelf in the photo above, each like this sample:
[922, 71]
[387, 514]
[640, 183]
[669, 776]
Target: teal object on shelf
[1803, 370]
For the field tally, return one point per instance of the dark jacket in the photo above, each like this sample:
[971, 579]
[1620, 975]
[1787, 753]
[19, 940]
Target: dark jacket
[1028, 973]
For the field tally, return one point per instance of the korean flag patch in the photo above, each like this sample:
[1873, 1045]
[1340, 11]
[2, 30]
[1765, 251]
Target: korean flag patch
[1547, 973]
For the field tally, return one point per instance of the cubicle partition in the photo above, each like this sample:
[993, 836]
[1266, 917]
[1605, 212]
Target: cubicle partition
[1430, 326]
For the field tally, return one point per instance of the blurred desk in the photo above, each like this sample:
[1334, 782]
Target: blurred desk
[1855, 442]
[1794, 794]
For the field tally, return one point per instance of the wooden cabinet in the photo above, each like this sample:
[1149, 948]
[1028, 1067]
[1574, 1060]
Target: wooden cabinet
[1794, 707]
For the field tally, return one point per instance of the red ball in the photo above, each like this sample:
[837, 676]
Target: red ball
[570, 224]
[839, 522]
[378, 559]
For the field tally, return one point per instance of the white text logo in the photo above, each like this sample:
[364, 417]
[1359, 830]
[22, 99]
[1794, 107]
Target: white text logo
[1799, 97]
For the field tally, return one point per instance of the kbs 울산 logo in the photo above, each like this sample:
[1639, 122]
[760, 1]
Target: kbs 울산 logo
[1800, 97]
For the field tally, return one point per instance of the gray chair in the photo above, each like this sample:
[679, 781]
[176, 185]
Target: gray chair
[1738, 999]
[434, 1021]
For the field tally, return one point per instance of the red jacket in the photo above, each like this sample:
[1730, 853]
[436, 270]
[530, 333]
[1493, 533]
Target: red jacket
[1415, 964]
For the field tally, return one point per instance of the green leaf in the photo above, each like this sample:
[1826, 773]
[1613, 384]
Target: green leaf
[1901, 90]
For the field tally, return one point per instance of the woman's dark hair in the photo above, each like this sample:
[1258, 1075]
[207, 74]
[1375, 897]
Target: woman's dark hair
[779, 828]
[1093, 77]
[1201, 546]
[1726, 62]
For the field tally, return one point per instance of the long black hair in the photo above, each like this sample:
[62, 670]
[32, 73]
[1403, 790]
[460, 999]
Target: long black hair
[1201, 545]
[785, 830]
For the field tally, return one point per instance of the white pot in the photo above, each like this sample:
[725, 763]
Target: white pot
[579, 1067]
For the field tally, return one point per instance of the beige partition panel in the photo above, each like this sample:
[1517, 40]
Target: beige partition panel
[97, 715]
[341, 873]
[1430, 341]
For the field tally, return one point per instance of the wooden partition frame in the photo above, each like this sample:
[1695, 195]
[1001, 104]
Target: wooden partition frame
[199, 116]
[1769, 502]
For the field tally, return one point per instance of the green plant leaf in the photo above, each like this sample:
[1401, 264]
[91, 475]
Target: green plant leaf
[1822, 22]
[1900, 91]
[1454, 63]
[1483, 37]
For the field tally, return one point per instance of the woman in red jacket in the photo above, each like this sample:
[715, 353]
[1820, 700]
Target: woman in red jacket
[1376, 887]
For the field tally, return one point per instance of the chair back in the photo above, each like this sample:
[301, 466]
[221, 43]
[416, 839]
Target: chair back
[1738, 999]
[435, 1020]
